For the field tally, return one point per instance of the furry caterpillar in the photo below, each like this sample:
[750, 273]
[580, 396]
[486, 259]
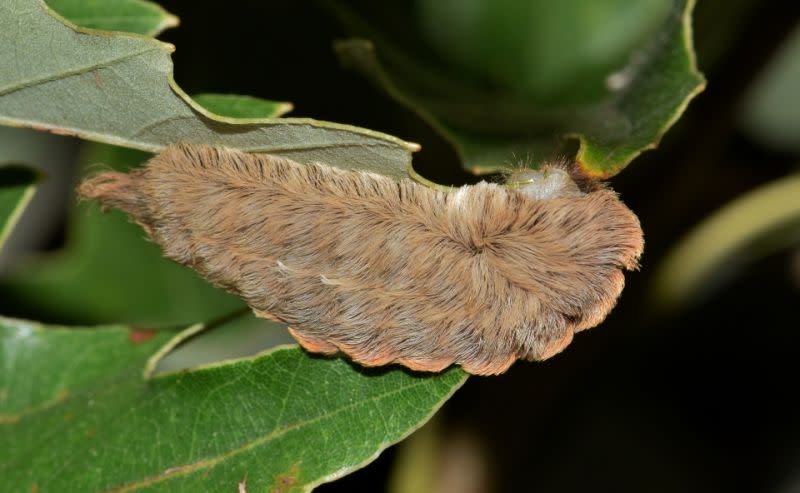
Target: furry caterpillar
[389, 271]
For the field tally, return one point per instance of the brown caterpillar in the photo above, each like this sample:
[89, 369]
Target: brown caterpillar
[389, 271]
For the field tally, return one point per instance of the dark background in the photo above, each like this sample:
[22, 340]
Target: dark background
[704, 400]
[698, 400]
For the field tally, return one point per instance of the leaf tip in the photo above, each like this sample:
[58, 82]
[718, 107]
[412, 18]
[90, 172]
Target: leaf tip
[283, 108]
[171, 20]
[168, 21]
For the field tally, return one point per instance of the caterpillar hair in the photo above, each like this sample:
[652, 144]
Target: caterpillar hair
[390, 271]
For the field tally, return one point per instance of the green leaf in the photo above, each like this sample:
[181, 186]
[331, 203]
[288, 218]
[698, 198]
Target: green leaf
[617, 94]
[65, 363]
[133, 16]
[752, 226]
[234, 106]
[17, 185]
[118, 89]
[109, 272]
[78, 416]
[656, 97]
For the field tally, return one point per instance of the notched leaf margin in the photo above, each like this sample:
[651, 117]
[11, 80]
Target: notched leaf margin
[169, 48]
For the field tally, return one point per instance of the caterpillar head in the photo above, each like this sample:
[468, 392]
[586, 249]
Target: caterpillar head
[547, 182]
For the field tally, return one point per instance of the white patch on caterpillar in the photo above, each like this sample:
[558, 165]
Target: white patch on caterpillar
[457, 197]
[544, 184]
[388, 271]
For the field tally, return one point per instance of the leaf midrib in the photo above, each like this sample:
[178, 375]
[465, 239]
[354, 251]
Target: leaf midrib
[181, 470]
[4, 91]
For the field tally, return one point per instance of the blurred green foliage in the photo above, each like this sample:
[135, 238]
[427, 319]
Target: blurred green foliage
[525, 79]
[108, 272]
[771, 112]
[552, 53]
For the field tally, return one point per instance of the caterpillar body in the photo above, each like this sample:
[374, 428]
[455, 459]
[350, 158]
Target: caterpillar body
[389, 271]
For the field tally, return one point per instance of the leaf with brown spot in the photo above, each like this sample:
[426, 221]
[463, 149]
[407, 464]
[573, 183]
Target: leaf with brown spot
[282, 419]
[284, 482]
